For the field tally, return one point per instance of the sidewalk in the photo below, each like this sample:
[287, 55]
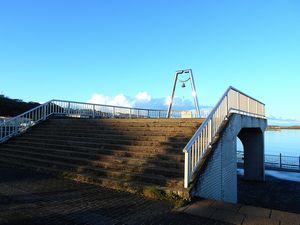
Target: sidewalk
[240, 214]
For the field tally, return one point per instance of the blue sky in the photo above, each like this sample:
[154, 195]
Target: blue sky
[79, 50]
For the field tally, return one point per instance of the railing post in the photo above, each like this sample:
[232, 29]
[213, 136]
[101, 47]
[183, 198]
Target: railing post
[130, 113]
[186, 169]
[69, 109]
[238, 101]
[114, 112]
[256, 110]
[248, 105]
[227, 104]
[280, 162]
[148, 115]
[299, 163]
[93, 111]
[209, 132]
[45, 112]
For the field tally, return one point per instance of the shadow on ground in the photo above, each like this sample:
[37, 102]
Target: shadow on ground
[273, 194]
[44, 199]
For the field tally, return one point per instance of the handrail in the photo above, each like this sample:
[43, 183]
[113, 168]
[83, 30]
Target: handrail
[22, 122]
[232, 101]
[122, 107]
[23, 114]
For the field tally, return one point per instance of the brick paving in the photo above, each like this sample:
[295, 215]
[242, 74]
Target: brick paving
[28, 197]
[240, 214]
[274, 193]
[33, 198]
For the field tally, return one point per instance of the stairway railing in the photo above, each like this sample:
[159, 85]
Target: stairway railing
[22, 122]
[233, 101]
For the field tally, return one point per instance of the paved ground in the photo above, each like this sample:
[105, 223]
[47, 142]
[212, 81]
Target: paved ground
[273, 193]
[240, 214]
[275, 202]
[31, 198]
[28, 197]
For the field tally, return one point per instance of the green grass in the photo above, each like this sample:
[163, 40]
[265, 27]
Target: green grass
[155, 193]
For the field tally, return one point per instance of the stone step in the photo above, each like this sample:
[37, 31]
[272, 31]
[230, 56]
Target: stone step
[179, 138]
[117, 152]
[136, 121]
[70, 127]
[161, 133]
[119, 184]
[94, 156]
[126, 146]
[103, 140]
[157, 179]
[128, 124]
[109, 166]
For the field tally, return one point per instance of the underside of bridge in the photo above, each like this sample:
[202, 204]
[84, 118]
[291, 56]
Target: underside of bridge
[218, 178]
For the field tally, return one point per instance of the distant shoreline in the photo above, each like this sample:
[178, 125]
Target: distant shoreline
[275, 127]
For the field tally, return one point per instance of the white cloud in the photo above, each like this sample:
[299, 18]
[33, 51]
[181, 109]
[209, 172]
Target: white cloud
[143, 96]
[144, 100]
[118, 100]
[167, 100]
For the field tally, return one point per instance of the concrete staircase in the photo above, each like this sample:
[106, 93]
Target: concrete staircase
[130, 154]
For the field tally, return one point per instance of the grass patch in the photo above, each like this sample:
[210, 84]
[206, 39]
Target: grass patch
[155, 193]
[152, 192]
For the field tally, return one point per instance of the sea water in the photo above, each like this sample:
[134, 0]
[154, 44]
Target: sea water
[284, 141]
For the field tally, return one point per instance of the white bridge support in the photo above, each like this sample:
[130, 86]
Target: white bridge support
[218, 178]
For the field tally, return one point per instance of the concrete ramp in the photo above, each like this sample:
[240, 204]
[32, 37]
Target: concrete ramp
[217, 178]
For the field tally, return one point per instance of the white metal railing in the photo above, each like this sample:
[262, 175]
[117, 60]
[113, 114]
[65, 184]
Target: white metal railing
[22, 122]
[233, 101]
[275, 162]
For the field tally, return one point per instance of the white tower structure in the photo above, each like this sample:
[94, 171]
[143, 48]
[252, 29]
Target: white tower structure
[194, 93]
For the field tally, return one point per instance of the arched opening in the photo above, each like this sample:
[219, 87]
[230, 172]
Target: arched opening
[240, 156]
[252, 140]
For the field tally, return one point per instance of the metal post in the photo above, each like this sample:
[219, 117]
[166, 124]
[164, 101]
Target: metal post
[238, 101]
[256, 111]
[93, 111]
[194, 93]
[280, 162]
[209, 132]
[227, 105]
[173, 92]
[248, 105]
[45, 111]
[299, 163]
[186, 169]
[69, 108]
